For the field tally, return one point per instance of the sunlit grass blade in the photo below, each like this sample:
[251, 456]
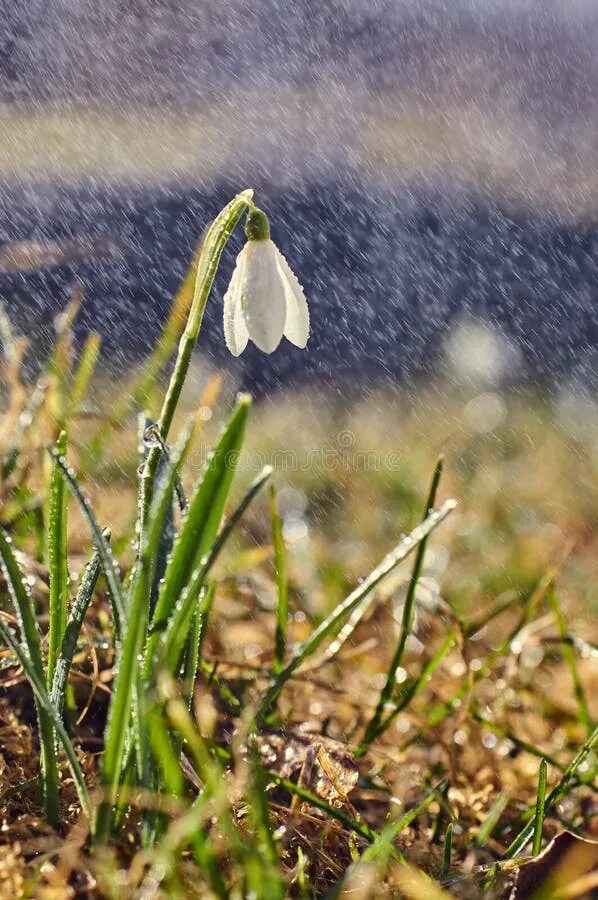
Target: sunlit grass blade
[491, 820]
[583, 709]
[334, 621]
[387, 691]
[362, 829]
[73, 627]
[262, 869]
[382, 848]
[416, 885]
[282, 600]
[197, 637]
[189, 829]
[30, 657]
[540, 809]
[172, 643]
[413, 689]
[83, 373]
[165, 752]
[59, 363]
[57, 560]
[530, 604]
[200, 525]
[447, 849]
[50, 721]
[211, 775]
[109, 565]
[558, 791]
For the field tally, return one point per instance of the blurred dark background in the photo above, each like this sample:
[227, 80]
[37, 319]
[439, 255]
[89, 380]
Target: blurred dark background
[425, 164]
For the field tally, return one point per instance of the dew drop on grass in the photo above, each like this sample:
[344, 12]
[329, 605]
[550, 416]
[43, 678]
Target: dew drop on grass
[401, 675]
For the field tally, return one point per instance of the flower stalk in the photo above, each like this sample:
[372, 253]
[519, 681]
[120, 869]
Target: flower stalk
[216, 240]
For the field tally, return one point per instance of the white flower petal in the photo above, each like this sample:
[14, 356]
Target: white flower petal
[263, 294]
[235, 329]
[296, 326]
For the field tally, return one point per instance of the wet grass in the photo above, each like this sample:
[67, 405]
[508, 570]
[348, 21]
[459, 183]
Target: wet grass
[348, 686]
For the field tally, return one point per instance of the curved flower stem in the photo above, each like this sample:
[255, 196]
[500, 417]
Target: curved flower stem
[216, 239]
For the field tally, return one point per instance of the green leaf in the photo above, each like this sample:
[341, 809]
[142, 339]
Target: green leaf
[200, 526]
[57, 559]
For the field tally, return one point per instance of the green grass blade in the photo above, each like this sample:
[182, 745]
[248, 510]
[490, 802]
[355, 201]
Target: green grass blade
[359, 828]
[171, 645]
[382, 847]
[47, 711]
[282, 601]
[262, 869]
[491, 820]
[387, 691]
[559, 791]
[197, 637]
[200, 526]
[583, 709]
[73, 627]
[30, 653]
[540, 809]
[171, 462]
[84, 373]
[57, 560]
[414, 688]
[165, 752]
[333, 622]
[447, 849]
[109, 565]
[152, 436]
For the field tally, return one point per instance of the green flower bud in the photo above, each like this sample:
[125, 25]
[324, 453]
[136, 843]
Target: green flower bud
[257, 227]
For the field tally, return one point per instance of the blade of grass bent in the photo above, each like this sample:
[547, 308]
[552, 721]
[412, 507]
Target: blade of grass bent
[73, 627]
[30, 652]
[329, 626]
[49, 711]
[109, 566]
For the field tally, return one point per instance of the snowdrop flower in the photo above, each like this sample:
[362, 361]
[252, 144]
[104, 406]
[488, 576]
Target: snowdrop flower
[264, 300]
